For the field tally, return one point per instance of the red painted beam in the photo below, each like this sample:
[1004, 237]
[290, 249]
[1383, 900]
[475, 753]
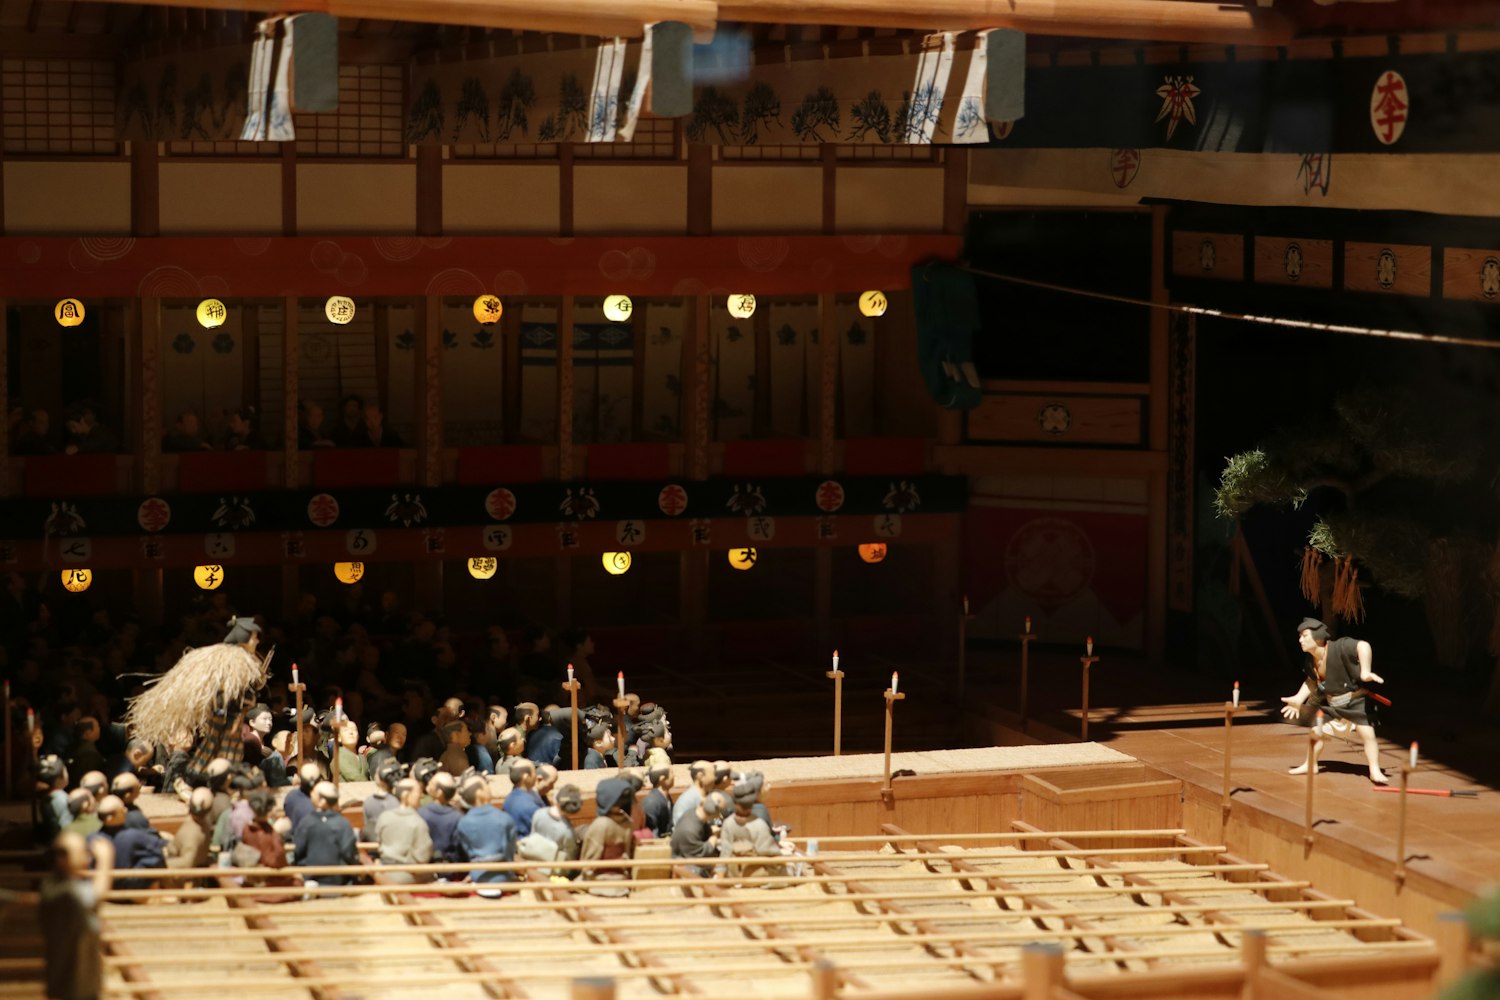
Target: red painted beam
[369, 266]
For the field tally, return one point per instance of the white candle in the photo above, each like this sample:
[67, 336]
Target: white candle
[1028, 624]
[570, 673]
[620, 683]
[294, 674]
[835, 661]
[1414, 754]
[1089, 645]
[966, 604]
[31, 720]
[895, 677]
[338, 710]
[1236, 694]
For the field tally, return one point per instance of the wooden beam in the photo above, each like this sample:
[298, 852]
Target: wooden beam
[429, 393]
[147, 422]
[565, 470]
[291, 360]
[1155, 20]
[5, 442]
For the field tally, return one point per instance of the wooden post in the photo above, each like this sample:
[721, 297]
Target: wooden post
[9, 789]
[1026, 638]
[291, 388]
[571, 686]
[620, 705]
[891, 697]
[825, 980]
[1407, 766]
[297, 687]
[1087, 661]
[333, 756]
[1453, 946]
[593, 988]
[1230, 707]
[565, 470]
[1041, 970]
[1253, 956]
[963, 648]
[837, 676]
[1312, 772]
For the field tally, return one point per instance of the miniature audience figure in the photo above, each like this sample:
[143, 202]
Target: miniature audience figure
[324, 837]
[441, 816]
[1337, 672]
[384, 745]
[52, 780]
[86, 755]
[543, 740]
[298, 802]
[188, 847]
[705, 779]
[402, 833]
[382, 799]
[68, 910]
[455, 758]
[435, 742]
[693, 836]
[82, 806]
[601, 744]
[556, 824]
[524, 800]
[133, 847]
[609, 836]
[744, 835]
[511, 745]
[485, 833]
[350, 764]
[658, 804]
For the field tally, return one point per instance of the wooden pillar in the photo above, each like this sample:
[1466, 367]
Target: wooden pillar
[955, 188]
[565, 470]
[428, 390]
[5, 442]
[429, 189]
[695, 376]
[700, 189]
[291, 361]
[145, 189]
[828, 398]
[1156, 507]
[289, 190]
[692, 598]
[249, 320]
[143, 342]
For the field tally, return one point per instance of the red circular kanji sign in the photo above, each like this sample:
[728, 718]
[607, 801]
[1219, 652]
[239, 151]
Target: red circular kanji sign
[500, 504]
[323, 510]
[1390, 107]
[154, 514]
[672, 500]
[830, 496]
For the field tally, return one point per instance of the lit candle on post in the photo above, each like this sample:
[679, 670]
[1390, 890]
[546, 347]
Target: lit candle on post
[571, 686]
[297, 729]
[31, 732]
[1229, 710]
[895, 679]
[570, 672]
[620, 684]
[1087, 661]
[966, 604]
[1028, 624]
[892, 695]
[837, 676]
[835, 659]
[1235, 698]
[296, 679]
[1088, 645]
[1026, 636]
[620, 706]
[1413, 755]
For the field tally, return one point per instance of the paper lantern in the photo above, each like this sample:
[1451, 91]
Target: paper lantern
[742, 558]
[616, 563]
[69, 312]
[872, 303]
[483, 567]
[349, 572]
[76, 581]
[742, 306]
[487, 309]
[872, 552]
[618, 308]
[339, 309]
[211, 313]
[208, 577]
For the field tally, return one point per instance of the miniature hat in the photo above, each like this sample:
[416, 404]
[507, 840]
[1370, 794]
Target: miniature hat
[1318, 629]
[745, 794]
[569, 799]
[613, 793]
[240, 630]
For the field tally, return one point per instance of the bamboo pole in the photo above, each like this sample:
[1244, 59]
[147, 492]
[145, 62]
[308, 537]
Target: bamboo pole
[1312, 773]
[891, 838]
[296, 687]
[9, 788]
[892, 695]
[1401, 826]
[963, 649]
[1087, 662]
[1230, 707]
[1026, 638]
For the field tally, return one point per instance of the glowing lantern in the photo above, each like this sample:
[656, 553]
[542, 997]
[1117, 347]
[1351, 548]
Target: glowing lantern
[339, 309]
[487, 309]
[211, 313]
[616, 563]
[872, 303]
[208, 577]
[742, 306]
[349, 572]
[742, 558]
[483, 567]
[618, 308]
[76, 581]
[872, 552]
[69, 312]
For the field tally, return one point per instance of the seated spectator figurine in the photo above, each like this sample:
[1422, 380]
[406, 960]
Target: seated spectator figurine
[128, 788]
[658, 804]
[609, 836]
[402, 833]
[510, 746]
[188, 847]
[86, 755]
[298, 802]
[134, 848]
[743, 835]
[556, 822]
[523, 800]
[693, 836]
[351, 764]
[455, 758]
[543, 740]
[81, 804]
[382, 799]
[52, 780]
[324, 837]
[441, 816]
[704, 781]
[485, 834]
[601, 744]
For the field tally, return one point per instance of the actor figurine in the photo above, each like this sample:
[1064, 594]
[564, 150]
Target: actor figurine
[1337, 671]
[210, 691]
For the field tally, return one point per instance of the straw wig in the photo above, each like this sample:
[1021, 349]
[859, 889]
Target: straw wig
[204, 683]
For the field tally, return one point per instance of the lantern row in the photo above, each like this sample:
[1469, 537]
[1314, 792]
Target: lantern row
[339, 309]
[76, 581]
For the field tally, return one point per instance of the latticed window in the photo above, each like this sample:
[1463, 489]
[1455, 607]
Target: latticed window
[368, 121]
[59, 106]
